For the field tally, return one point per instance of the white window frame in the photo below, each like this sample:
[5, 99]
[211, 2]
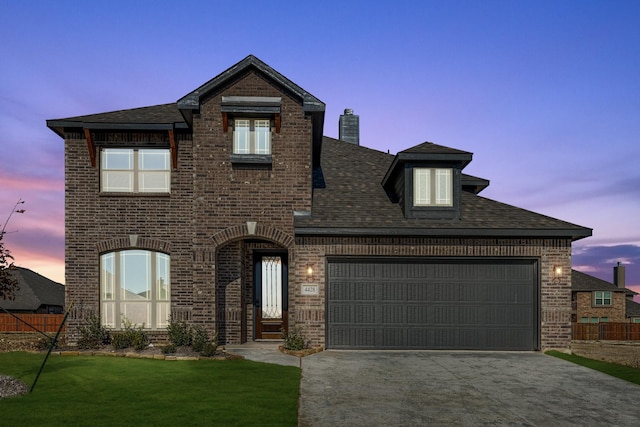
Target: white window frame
[140, 294]
[600, 298]
[432, 187]
[252, 136]
[144, 170]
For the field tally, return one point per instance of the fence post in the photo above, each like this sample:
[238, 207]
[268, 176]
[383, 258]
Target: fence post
[600, 331]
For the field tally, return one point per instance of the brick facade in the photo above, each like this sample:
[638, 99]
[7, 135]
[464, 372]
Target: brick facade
[220, 213]
[555, 293]
[616, 312]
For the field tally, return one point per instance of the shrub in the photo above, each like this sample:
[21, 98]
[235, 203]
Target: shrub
[209, 349]
[92, 334]
[130, 336]
[200, 338]
[293, 338]
[43, 343]
[179, 333]
[169, 349]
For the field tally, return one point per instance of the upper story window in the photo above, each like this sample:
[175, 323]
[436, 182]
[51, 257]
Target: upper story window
[602, 298]
[432, 187]
[135, 286]
[130, 170]
[252, 136]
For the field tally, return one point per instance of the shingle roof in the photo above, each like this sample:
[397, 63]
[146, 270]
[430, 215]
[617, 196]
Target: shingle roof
[35, 290]
[585, 282]
[431, 148]
[354, 202]
[165, 116]
[633, 309]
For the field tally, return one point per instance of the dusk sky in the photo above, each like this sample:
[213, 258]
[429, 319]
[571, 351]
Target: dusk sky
[546, 94]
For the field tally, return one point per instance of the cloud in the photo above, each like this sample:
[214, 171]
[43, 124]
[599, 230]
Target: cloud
[600, 260]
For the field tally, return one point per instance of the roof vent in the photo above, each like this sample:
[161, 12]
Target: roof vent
[349, 127]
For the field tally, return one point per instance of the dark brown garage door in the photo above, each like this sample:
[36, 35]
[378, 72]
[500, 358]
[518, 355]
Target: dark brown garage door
[432, 304]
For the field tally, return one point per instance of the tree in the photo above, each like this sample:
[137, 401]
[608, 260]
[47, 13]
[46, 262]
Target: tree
[8, 283]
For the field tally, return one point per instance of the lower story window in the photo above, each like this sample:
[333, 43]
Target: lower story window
[135, 287]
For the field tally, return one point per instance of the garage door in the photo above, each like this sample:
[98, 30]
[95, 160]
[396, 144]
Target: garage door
[432, 304]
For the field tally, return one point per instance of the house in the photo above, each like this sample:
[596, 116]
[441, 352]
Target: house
[36, 294]
[598, 301]
[230, 209]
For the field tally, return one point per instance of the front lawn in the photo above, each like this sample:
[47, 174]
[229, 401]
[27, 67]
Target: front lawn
[626, 373]
[100, 390]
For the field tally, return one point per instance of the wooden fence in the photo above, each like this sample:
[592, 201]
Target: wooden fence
[606, 331]
[42, 322]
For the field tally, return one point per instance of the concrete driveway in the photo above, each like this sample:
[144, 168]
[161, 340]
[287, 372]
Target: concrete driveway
[394, 388]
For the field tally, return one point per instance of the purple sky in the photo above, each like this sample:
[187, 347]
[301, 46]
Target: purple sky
[546, 94]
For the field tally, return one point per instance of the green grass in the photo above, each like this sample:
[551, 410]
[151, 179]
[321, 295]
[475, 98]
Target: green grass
[100, 390]
[619, 371]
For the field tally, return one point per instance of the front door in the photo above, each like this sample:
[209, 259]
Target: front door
[270, 284]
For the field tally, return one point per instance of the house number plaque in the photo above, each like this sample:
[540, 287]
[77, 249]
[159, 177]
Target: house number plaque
[310, 290]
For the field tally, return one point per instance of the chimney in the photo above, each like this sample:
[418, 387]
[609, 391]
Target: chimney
[349, 129]
[618, 276]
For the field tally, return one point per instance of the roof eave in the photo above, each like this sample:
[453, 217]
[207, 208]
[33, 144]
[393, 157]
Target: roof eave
[573, 234]
[58, 126]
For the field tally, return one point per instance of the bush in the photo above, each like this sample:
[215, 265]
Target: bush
[183, 335]
[209, 349]
[43, 343]
[293, 338]
[199, 339]
[130, 336]
[179, 333]
[92, 334]
[169, 349]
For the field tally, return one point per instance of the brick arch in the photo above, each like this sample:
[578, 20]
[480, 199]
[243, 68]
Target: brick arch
[238, 232]
[133, 242]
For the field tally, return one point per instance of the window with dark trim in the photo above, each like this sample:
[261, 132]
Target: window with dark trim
[432, 187]
[128, 170]
[251, 136]
[602, 298]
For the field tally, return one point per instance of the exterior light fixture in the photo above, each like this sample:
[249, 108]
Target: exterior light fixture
[557, 272]
[309, 273]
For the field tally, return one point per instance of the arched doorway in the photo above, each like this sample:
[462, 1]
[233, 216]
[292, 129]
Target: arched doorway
[252, 292]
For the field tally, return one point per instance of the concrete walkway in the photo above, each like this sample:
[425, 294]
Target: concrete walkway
[429, 388]
[263, 351]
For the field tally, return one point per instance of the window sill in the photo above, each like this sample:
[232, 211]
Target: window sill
[436, 213]
[259, 159]
[132, 194]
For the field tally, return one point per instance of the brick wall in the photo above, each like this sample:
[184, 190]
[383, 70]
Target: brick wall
[555, 294]
[615, 313]
[94, 221]
[209, 199]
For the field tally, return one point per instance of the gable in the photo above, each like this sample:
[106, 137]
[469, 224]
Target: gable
[312, 107]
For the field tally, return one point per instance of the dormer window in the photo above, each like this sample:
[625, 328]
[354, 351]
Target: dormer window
[252, 136]
[432, 187]
[426, 181]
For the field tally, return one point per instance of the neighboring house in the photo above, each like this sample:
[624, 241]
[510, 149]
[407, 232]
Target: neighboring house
[230, 209]
[598, 301]
[36, 294]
